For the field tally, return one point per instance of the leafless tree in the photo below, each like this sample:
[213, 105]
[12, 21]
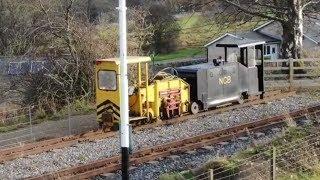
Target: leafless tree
[289, 13]
[73, 41]
[140, 31]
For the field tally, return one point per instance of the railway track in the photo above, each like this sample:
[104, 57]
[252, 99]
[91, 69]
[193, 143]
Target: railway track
[112, 164]
[47, 145]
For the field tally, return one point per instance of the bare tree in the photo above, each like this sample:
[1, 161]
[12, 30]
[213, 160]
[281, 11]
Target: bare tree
[289, 13]
[140, 31]
[73, 41]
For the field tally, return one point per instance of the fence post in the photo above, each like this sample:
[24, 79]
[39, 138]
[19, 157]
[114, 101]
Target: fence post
[69, 120]
[273, 165]
[211, 174]
[30, 122]
[291, 72]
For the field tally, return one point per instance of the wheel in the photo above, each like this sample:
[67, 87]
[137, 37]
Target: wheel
[194, 108]
[149, 119]
[241, 99]
[105, 127]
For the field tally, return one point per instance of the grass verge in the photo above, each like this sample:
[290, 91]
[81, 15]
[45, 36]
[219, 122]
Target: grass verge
[301, 161]
[39, 115]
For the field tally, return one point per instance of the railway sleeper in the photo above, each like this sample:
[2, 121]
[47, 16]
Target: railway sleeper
[167, 150]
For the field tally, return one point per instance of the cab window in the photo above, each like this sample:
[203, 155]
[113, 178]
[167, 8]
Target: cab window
[107, 80]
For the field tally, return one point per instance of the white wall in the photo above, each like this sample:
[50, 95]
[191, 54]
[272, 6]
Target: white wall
[251, 56]
[214, 52]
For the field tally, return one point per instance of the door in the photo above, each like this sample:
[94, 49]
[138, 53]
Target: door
[274, 51]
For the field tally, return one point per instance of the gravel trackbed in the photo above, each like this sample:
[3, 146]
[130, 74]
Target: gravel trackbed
[89, 151]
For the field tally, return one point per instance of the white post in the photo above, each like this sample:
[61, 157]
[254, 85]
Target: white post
[211, 174]
[124, 98]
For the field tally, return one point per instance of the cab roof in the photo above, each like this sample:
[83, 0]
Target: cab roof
[131, 59]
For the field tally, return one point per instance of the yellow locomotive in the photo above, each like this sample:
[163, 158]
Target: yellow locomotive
[163, 97]
[195, 87]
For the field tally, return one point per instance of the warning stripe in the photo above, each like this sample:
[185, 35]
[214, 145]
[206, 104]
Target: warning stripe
[107, 108]
[108, 102]
[110, 107]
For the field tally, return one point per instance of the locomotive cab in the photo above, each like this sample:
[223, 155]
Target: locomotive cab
[108, 89]
[225, 80]
[149, 100]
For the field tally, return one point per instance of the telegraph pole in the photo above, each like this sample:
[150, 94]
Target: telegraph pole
[124, 98]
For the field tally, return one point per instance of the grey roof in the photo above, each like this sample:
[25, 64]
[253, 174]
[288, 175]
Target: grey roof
[258, 36]
[312, 30]
[239, 41]
[244, 38]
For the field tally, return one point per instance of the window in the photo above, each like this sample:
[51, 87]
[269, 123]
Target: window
[273, 50]
[107, 80]
[267, 50]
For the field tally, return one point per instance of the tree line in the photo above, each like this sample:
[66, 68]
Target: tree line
[71, 34]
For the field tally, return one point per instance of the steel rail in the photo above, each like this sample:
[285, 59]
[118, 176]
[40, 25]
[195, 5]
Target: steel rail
[112, 164]
[47, 145]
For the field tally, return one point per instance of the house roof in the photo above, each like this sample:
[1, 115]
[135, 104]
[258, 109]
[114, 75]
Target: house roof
[239, 42]
[263, 25]
[311, 29]
[219, 38]
[244, 39]
[258, 36]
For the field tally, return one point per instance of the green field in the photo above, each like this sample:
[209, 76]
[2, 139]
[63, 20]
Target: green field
[196, 31]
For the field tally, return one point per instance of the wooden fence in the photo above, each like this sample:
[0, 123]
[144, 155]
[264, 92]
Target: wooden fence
[292, 73]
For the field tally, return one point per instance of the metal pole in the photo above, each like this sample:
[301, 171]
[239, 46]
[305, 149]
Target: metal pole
[211, 174]
[30, 121]
[291, 73]
[124, 99]
[69, 118]
[273, 165]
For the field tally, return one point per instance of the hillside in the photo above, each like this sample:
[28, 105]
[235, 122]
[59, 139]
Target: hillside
[197, 30]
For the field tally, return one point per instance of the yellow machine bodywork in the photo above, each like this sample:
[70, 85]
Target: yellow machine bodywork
[162, 98]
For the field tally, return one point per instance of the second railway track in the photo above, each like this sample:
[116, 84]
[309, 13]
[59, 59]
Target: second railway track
[112, 164]
[47, 145]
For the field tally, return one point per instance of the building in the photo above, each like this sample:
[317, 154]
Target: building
[22, 66]
[270, 34]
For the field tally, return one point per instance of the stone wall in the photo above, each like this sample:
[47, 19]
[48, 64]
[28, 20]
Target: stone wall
[158, 66]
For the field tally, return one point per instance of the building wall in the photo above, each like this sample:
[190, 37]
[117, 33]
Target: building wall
[214, 52]
[252, 56]
[277, 53]
[234, 53]
[275, 30]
